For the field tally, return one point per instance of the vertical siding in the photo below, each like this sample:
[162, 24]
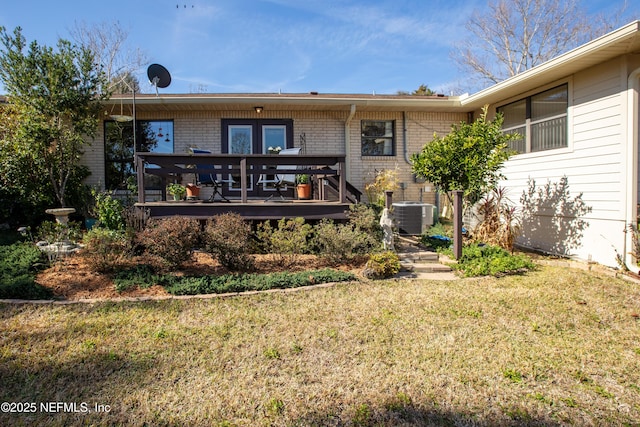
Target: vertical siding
[593, 164]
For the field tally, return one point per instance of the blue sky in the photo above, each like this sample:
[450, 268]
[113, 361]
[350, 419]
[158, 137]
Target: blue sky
[293, 46]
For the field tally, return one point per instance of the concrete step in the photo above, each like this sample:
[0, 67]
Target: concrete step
[419, 256]
[425, 267]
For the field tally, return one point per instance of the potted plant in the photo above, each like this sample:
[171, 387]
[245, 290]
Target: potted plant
[303, 186]
[176, 190]
[193, 191]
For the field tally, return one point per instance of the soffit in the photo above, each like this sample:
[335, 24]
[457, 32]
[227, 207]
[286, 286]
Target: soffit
[288, 102]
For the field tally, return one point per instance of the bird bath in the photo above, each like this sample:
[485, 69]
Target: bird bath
[61, 214]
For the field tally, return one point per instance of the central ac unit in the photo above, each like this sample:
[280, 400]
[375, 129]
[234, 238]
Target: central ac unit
[413, 217]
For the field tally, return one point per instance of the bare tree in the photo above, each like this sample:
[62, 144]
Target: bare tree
[511, 36]
[107, 41]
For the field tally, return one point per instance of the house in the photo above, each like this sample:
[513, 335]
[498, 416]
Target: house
[577, 161]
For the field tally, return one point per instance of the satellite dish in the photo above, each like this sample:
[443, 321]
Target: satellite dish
[158, 76]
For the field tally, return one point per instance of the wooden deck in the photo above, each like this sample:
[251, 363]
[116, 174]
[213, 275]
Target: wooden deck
[332, 193]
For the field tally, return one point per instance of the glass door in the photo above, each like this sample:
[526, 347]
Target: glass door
[240, 142]
[256, 136]
[274, 139]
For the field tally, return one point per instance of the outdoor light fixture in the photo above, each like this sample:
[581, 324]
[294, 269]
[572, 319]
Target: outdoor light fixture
[258, 109]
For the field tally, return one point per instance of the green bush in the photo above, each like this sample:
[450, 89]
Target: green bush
[477, 260]
[53, 231]
[287, 241]
[141, 276]
[109, 210]
[366, 219]
[19, 263]
[382, 265]
[228, 238]
[252, 282]
[172, 239]
[340, 242]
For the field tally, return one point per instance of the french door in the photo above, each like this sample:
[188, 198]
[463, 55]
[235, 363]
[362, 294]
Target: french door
[241, 136]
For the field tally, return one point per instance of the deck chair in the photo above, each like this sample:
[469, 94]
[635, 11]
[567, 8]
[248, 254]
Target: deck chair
[214, 180]
[280, 181]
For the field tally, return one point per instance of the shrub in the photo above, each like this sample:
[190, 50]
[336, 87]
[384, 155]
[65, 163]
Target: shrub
[53, 231]
[109, 210]
[340, 242]
[105, 249]
[287, 241]
[172, 239]
[499, 225]
[384, 180]
[142, 276]
[382, 265]
[366, 218]
[228, 238]
[251, 282]
[478, 260]
[19, 263]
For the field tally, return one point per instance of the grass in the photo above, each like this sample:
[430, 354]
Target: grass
[553, 347]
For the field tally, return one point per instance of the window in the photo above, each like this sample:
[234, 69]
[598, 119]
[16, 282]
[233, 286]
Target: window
[540, 119]
[151, 135]
[378, 138]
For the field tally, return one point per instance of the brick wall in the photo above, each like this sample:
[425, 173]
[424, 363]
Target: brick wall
[323, 131]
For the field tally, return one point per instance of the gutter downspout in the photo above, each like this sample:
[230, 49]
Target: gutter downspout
[631, 197]
[405, 147]
[347, 140]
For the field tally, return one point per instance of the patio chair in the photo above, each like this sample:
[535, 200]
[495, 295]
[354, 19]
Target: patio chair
[214, 180]
[280, 181]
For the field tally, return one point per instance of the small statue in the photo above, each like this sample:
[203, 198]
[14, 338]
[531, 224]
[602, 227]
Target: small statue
[386, 222]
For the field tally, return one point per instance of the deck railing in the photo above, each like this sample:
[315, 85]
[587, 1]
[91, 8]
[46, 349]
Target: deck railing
[173, 166]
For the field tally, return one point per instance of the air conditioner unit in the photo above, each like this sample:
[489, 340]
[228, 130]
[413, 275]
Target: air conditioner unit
[413, 217]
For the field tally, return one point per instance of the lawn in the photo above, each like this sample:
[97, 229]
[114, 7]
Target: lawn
[552, 347]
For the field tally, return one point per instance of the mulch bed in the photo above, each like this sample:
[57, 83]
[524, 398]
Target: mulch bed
[73, 279]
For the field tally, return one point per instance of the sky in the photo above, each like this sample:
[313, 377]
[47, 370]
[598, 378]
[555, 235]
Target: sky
[271, 46]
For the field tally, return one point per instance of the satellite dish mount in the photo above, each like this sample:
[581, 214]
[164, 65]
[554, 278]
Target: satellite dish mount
[158, 76]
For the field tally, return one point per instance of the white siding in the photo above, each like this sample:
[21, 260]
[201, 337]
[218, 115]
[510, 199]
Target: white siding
[593, 164]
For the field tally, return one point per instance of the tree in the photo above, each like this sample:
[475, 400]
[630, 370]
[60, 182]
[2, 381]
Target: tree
[469, 158]
[515, 35]
[423, 90]
[107, 41]
[56, 97]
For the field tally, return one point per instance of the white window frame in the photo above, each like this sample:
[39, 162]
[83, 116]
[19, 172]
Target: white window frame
[528, 123]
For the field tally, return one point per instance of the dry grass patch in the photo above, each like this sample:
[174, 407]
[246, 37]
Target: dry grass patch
[553, 347]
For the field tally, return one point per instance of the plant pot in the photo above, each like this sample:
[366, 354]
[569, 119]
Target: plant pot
[304, 191]
[193, 191]
[177, 197]
[89, 223]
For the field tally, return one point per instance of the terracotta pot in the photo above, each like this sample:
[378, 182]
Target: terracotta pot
[193, 191]
[304, 191]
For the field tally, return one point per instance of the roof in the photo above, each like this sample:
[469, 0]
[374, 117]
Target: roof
[289, 101]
